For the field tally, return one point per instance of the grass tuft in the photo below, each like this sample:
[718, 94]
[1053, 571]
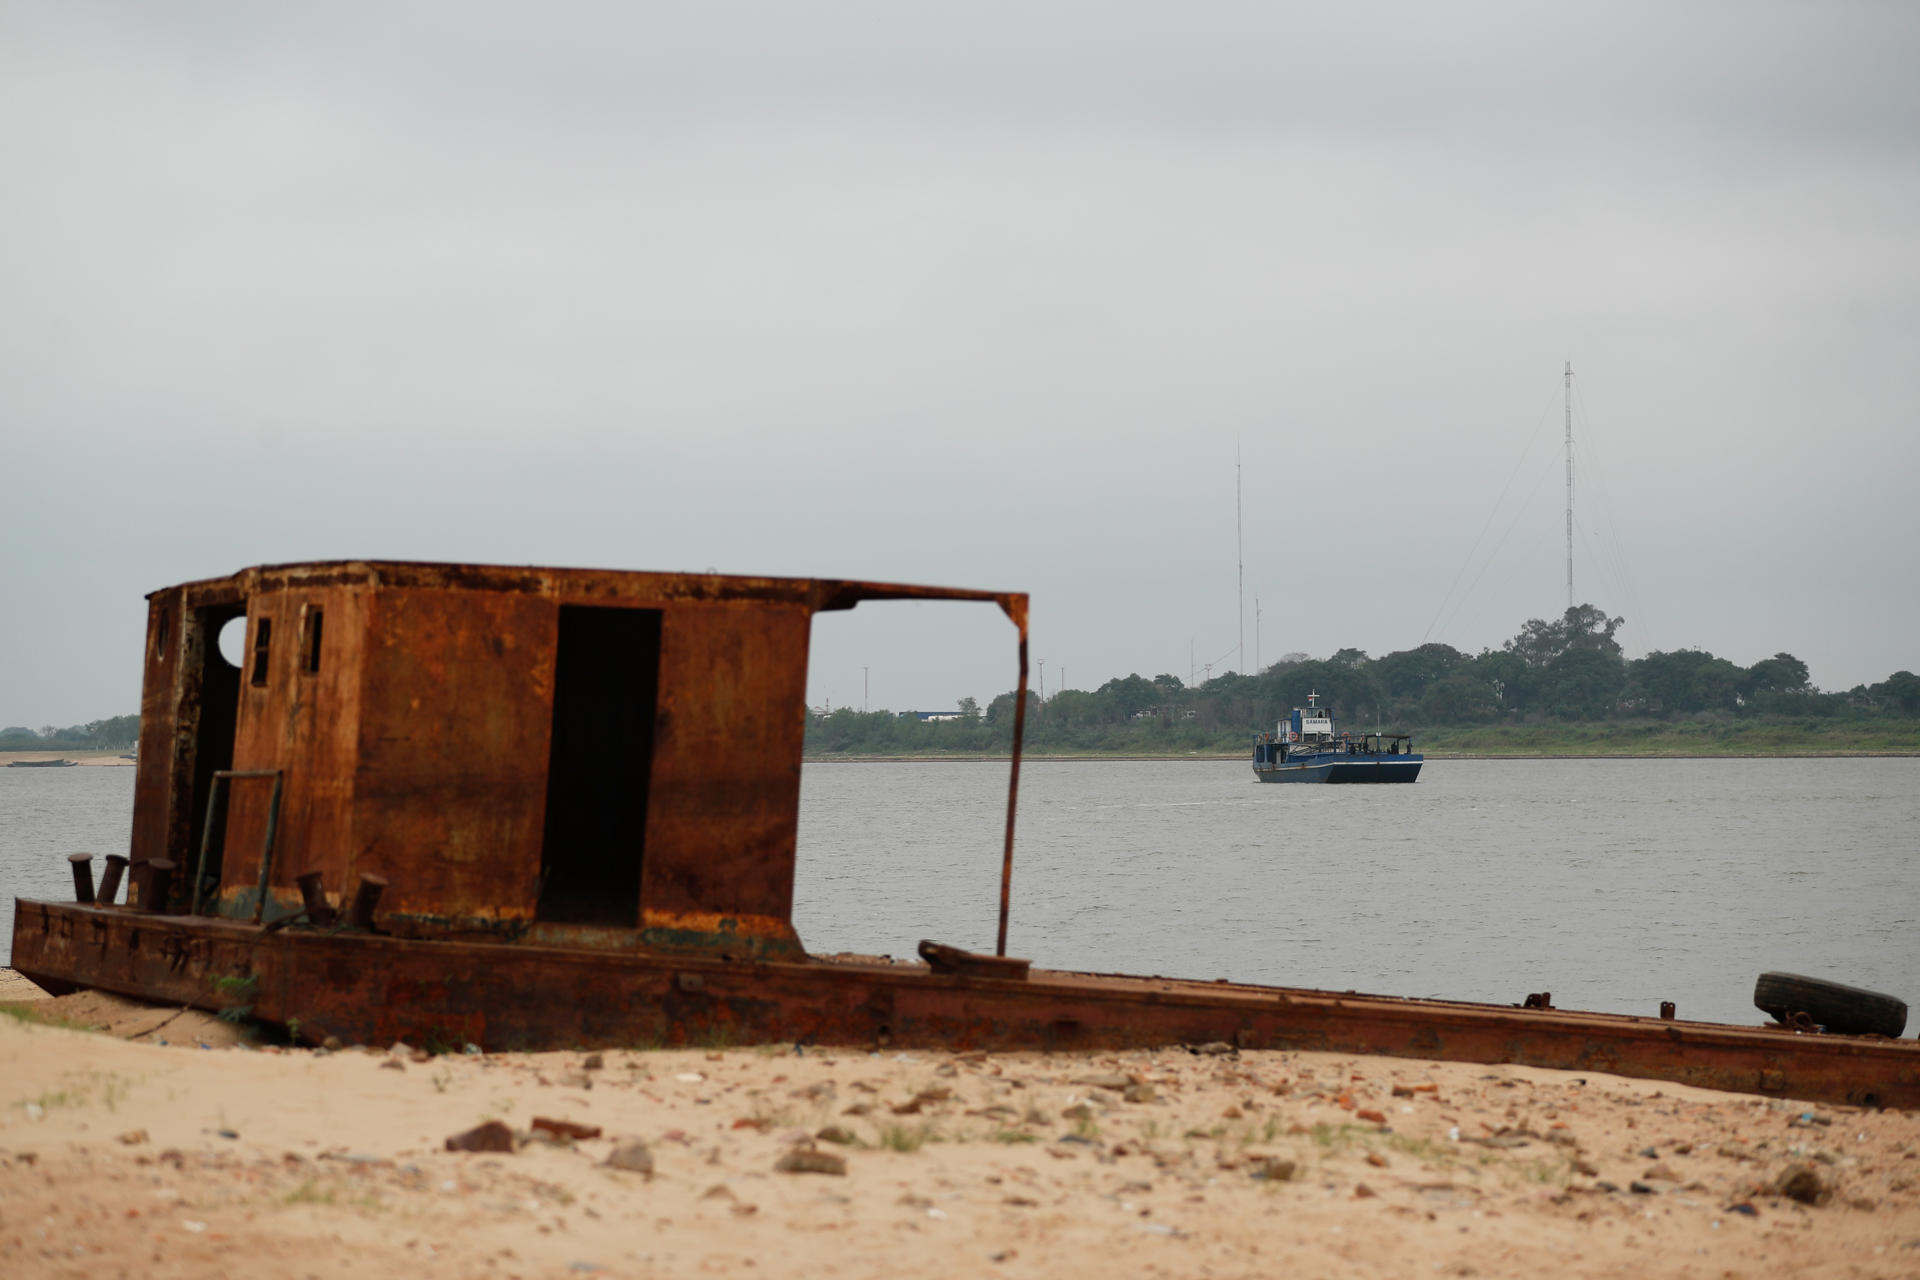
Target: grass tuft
[312, 1191]
[905, 1138]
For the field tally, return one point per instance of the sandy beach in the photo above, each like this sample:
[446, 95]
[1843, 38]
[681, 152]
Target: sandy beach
[163, 1144]
[95, 759]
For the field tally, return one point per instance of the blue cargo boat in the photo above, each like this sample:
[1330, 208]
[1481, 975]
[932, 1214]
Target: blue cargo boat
[1305, 748]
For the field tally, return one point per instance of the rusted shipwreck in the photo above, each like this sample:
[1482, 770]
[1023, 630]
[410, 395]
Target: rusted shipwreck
[529, 808]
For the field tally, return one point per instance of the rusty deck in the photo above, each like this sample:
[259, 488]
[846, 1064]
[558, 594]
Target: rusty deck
[367, 988]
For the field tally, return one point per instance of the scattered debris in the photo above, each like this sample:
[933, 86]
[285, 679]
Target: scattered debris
[1800, 1182]
[807, 1160]
[565, 1130]
[491, 1136]
[931, 1094]
[633, 1155]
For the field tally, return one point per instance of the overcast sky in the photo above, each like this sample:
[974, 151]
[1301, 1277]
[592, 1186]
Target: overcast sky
[986, 295]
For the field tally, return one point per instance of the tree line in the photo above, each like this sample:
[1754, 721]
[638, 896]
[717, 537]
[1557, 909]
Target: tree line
[119, 733]
[1565, 670]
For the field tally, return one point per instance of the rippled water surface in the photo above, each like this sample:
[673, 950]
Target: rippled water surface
[45, 814]
[1613, 884]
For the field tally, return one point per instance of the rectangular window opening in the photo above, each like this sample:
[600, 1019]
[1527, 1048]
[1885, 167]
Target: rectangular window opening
[161, 625]
[262, 644]
[606, 691]
[310, 656]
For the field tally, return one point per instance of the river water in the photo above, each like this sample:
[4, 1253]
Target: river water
[1614, 884]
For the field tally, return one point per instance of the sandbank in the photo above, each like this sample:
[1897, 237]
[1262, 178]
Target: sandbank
[124, 1155]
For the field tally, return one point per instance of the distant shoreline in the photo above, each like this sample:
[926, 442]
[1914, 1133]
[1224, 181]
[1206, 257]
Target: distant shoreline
[96, 759]
[1432, 758]
[114, 759]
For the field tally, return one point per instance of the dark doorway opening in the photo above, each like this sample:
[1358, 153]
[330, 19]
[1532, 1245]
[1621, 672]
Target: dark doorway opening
[213, 702]
[606, 687]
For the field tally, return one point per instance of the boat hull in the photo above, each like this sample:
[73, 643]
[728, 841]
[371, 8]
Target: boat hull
[373, 989]
[1337, 768]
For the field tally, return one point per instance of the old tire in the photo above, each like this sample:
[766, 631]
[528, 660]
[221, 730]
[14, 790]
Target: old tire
[1849, 1011]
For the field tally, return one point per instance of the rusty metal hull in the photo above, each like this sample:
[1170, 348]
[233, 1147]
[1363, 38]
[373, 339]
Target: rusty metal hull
[374, 989]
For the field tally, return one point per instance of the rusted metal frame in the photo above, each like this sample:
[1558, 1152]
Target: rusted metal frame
[1018, 612]
[831, 596]
[823, 594]
[220, 778]
[845, 595]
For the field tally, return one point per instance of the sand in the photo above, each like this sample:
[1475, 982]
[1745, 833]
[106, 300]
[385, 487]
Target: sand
[99, 759]
[121, 1155]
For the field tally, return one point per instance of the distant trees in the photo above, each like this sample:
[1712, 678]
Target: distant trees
[1411, 672]
[1782, 673]
[1685, 680]
[1565, 669]
[1570, 667]
[1000, 710]
[1902, 689]
[1458, 699]
[119, 733]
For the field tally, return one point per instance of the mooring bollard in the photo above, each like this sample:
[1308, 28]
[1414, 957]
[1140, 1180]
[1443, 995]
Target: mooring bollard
[82, 864]
[110, 879]
[315, 898]
[1666, 1010]
[153, 894]
[371, 886]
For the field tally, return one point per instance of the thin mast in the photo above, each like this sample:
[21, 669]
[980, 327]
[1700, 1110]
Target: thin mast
[1569, 399]
[1240, 550]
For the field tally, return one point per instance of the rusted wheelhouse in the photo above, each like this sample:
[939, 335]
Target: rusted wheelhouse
[526, 808]
[541, 755]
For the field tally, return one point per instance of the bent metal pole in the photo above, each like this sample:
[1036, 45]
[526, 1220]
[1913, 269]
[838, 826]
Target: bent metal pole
[1016, 608]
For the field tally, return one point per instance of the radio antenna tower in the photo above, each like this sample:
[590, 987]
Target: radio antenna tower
[1569, 399]
[1240, 550]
